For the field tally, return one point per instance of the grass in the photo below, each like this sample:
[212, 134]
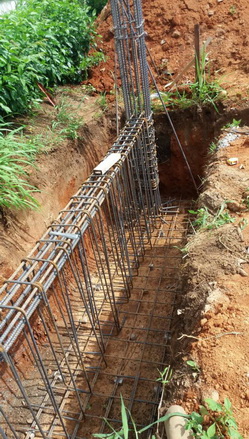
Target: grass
[16, 156]
[214, 421]
[65, 123]
[129, 428]
[202, 91]
[212, 147]
[102, 102]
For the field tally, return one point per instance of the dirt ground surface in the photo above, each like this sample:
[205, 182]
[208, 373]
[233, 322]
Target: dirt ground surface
[170, 40]
[216, 265]
[214, 311]
[212, 314]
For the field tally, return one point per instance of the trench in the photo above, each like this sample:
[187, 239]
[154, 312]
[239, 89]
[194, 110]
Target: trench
[86, 354]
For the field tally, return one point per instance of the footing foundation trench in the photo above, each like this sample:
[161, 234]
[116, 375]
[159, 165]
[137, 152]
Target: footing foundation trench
[87, 315]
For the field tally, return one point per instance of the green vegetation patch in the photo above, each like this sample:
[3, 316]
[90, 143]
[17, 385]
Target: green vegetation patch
[16, 157]
[97, 5]
[44, 41]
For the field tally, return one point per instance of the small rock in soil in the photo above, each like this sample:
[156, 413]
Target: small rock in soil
[176, 34]
[84, 320]
[118, 380]
[215, 395]
[242, 272]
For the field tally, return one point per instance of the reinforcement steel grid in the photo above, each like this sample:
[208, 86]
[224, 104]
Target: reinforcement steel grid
[61, 307]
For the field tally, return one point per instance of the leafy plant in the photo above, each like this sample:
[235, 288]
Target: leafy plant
[15, 157]
[165, 376]
[215, 421]
[233, 124]
[232, 10]
[205, 220]
[194, 366]
[97, 5]
[44, 41]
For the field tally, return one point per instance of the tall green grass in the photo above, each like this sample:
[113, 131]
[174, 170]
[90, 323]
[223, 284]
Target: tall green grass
[44, 41]
[16, 157]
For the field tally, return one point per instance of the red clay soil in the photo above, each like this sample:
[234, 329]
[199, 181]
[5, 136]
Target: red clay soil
[212, 267]
[212, 328]
[170, 29]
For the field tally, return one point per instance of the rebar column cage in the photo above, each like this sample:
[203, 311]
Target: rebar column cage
[131, 52]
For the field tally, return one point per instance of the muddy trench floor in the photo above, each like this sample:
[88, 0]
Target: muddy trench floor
[133, 356]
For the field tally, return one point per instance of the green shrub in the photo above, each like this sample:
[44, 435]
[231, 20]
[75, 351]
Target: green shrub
[43, 41]
[97, 5]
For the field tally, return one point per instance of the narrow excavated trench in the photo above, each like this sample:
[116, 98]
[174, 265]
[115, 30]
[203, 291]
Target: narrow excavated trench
[121, 351]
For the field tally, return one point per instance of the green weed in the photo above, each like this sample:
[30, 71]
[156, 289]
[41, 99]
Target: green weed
[89, 89]
[203, 91]
[246, 198]
[102, 102]
[194, 366]
[129, 428]
[165, 376]
[233, 124]
[205, 220]
[215, 421]
[15, 157]
[66, 124]
[232, 10]
[44, 143]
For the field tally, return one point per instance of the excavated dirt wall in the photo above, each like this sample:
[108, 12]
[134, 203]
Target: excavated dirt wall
[58, 176]
[197, 128]
[211, 315]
